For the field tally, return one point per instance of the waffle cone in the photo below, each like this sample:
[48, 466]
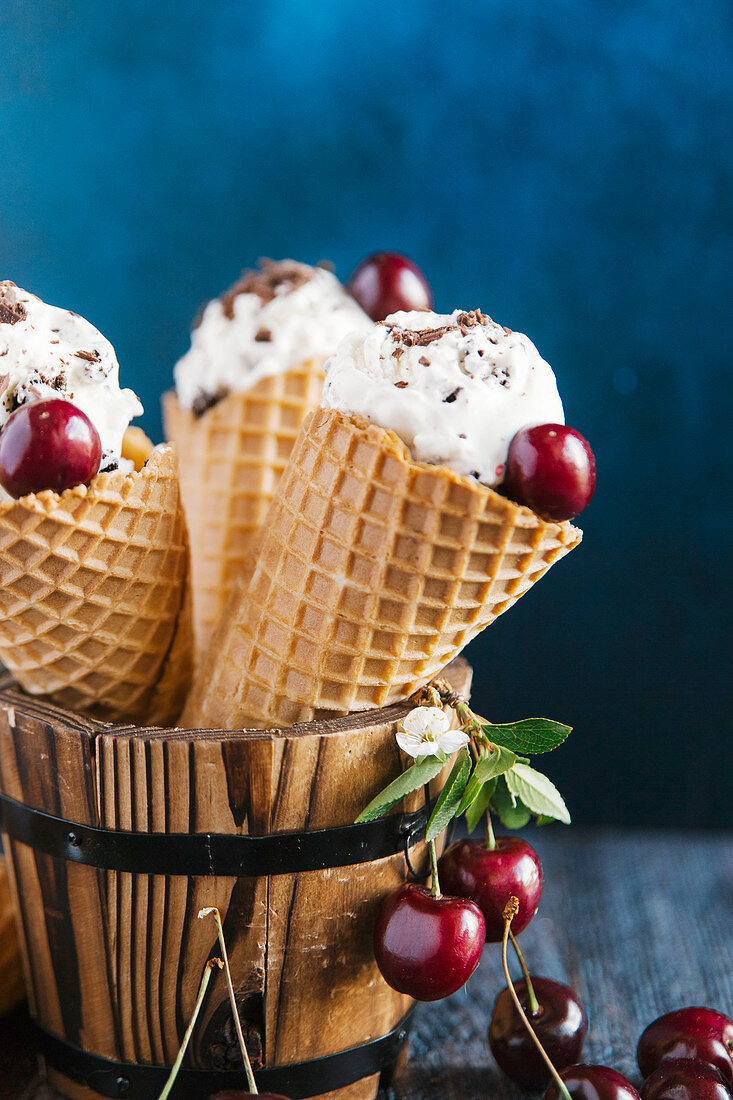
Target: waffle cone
[92, 584]
[374, 572]
[231, 459]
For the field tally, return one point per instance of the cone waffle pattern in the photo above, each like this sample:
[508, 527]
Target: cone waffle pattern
[375, 571]
[91, 586]
[231, 459]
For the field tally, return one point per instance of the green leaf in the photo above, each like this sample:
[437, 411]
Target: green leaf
[531, 735]
[449, 799]
[411, 780]
[544, 819]
[488, 767]
[511, 812]
[537, 792]
[480, 805]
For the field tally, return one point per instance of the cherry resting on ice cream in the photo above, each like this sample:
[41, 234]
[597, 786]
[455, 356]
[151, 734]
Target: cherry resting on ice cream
[386, 283]
[490, 876]
[48, 445]
[550, 468]
[427, 946]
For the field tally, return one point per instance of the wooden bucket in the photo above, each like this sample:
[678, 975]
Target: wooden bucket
[117, 836]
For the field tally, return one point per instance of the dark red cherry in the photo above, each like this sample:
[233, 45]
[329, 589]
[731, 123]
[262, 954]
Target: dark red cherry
[699, 1034]
[490, 876]
[551, 469]
[684, 1079]
[560, 1024]
[386, 283]
[48, 445]
[425, 946]
[592, 1083]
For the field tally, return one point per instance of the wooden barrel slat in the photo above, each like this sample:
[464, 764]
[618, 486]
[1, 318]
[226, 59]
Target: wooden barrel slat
[132, 946]
[50, 765]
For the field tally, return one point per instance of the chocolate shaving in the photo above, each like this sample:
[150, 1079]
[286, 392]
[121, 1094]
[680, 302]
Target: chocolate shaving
[424, 361]
[411, 338]
[471, 319]
[11, 310]
[109, 463]
[270, 277]
[401, 385]
[90, 356]
[452, 396]
[263, 336]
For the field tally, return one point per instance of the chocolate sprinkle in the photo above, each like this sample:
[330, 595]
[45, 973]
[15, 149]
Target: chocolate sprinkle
[411, 338]
[108, 464]
[90, 356]
[204, 401]
[265, 282]
[424, 361]
[401, 385]
[451, 396]
[263, 336]
[11, 310]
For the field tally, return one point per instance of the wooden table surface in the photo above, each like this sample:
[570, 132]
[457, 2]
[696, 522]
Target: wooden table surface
[638, 923]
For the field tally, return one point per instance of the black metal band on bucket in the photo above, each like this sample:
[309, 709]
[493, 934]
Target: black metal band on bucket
[193, 854]
[126, 1081]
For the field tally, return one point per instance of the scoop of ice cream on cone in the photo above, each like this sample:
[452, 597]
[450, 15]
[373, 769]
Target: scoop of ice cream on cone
[379, 565]
[455, 387]
[274, 318]
[253, 372]
[92, 571]
[49, 353]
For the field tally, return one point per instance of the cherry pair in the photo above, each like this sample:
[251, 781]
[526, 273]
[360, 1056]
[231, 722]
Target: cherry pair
[684, 1055]
[428, 944]
[687, 1055]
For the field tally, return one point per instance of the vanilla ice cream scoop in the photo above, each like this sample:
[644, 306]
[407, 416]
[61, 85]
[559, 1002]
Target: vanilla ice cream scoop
[456, 388]
[47, 352]
[274, 318]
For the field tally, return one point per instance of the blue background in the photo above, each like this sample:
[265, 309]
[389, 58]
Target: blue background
[567, 167]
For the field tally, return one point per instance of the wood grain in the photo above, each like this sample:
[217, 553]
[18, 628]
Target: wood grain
[638, 922]
[115, 959]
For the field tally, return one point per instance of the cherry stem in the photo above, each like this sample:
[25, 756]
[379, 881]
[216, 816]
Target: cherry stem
[434, 881]
[534, 1004]
[214, 912]
[490, 838]
[509, 914]
[189, 1030]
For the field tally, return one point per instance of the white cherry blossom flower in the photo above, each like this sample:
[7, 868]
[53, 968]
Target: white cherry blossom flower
[426, 731]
